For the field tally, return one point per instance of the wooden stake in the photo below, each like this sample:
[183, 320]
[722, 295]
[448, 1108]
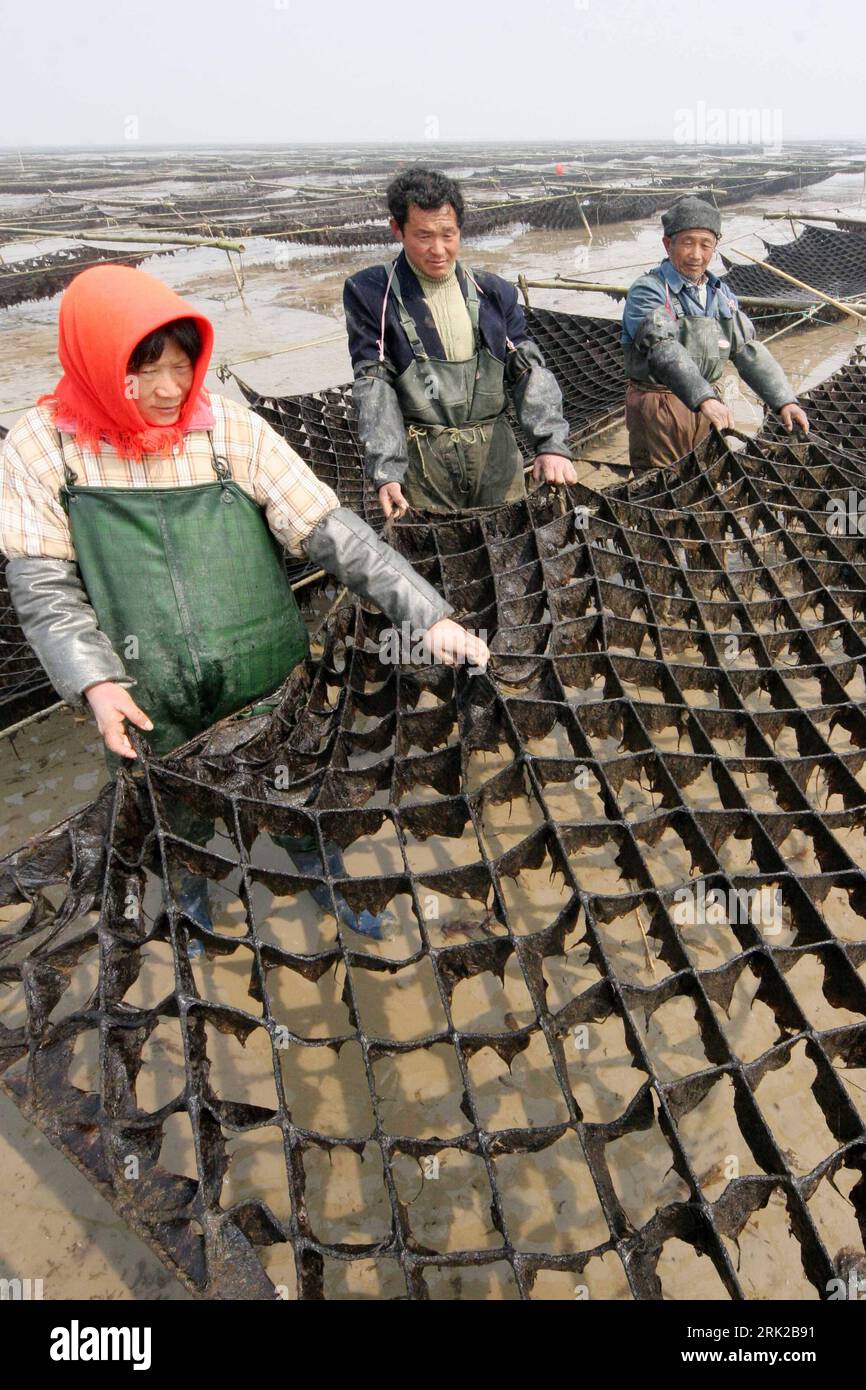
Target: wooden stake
[234, 271]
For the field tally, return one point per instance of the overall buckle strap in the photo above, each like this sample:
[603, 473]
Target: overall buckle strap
[222, 469]
[69, 477]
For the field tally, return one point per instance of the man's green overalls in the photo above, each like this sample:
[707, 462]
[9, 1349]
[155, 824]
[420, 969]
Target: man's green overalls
[462, 450]
[662, 428]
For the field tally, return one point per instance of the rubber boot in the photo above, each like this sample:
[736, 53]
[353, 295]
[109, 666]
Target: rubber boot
[308, 861]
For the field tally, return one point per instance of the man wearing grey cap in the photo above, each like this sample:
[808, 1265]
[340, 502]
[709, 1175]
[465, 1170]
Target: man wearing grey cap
[680, 327]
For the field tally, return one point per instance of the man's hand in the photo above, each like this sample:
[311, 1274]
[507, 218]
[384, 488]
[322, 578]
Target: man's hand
[793, 415]
[451, 645]
[392, 501]
[717, 413]
[554, 469]
[112, 704]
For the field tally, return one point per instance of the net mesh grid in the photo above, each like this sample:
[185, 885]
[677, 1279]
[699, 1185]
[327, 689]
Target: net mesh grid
[612, 698]
[831, 261]
[836, 408]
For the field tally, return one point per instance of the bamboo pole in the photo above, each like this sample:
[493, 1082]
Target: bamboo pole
[801, 284]
[322, 194]
[839, 220]
[657, 189]
[310, 579]
[751, 301]
[564, 284]
[145, 238]
[234, 270]
[592, 191]
[313, 231]
[31, 719]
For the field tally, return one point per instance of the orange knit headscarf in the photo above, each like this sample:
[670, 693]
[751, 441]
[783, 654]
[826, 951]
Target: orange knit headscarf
[104, 314]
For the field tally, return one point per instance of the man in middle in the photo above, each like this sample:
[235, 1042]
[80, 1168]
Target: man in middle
[437, 349]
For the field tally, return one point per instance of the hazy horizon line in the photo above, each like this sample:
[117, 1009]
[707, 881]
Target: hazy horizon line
[140, 146]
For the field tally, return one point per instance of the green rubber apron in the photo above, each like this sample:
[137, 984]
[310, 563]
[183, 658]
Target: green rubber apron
[462, 450]
[189, 586]
[707, 339]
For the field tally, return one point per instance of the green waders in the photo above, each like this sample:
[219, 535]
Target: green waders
[662, 429]
[462, 450]
[189, 586]
[707, 339]
[188, 583]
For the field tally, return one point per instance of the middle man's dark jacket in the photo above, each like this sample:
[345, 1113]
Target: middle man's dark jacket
[534, 391]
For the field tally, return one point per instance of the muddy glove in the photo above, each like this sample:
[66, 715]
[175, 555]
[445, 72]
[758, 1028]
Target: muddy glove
[537, 400]
[670, 364]
[348, 548]
[380, 427]
[61, 626]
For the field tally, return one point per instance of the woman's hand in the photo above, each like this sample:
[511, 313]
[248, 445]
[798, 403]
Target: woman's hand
[449, 644]
[111, 705]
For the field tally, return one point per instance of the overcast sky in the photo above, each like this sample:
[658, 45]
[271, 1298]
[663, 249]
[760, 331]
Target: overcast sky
[82, 72]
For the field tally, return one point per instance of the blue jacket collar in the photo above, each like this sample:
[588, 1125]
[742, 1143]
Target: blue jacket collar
[676, 281]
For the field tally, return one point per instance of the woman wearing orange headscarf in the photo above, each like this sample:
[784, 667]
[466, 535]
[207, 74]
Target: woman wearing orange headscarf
[144, 520]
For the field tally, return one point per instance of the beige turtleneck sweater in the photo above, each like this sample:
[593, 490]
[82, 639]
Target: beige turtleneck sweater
[450, 313]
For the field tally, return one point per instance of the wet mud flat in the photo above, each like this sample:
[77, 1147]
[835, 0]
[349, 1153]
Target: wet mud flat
[54, 766]
[55, 1226]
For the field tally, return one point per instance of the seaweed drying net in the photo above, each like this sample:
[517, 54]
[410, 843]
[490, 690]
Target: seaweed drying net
[565, 1068]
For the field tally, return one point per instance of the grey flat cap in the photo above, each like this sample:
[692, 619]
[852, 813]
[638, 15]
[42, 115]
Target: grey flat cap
[691, 212]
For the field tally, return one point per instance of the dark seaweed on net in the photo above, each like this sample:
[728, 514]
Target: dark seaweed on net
[590, 602]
